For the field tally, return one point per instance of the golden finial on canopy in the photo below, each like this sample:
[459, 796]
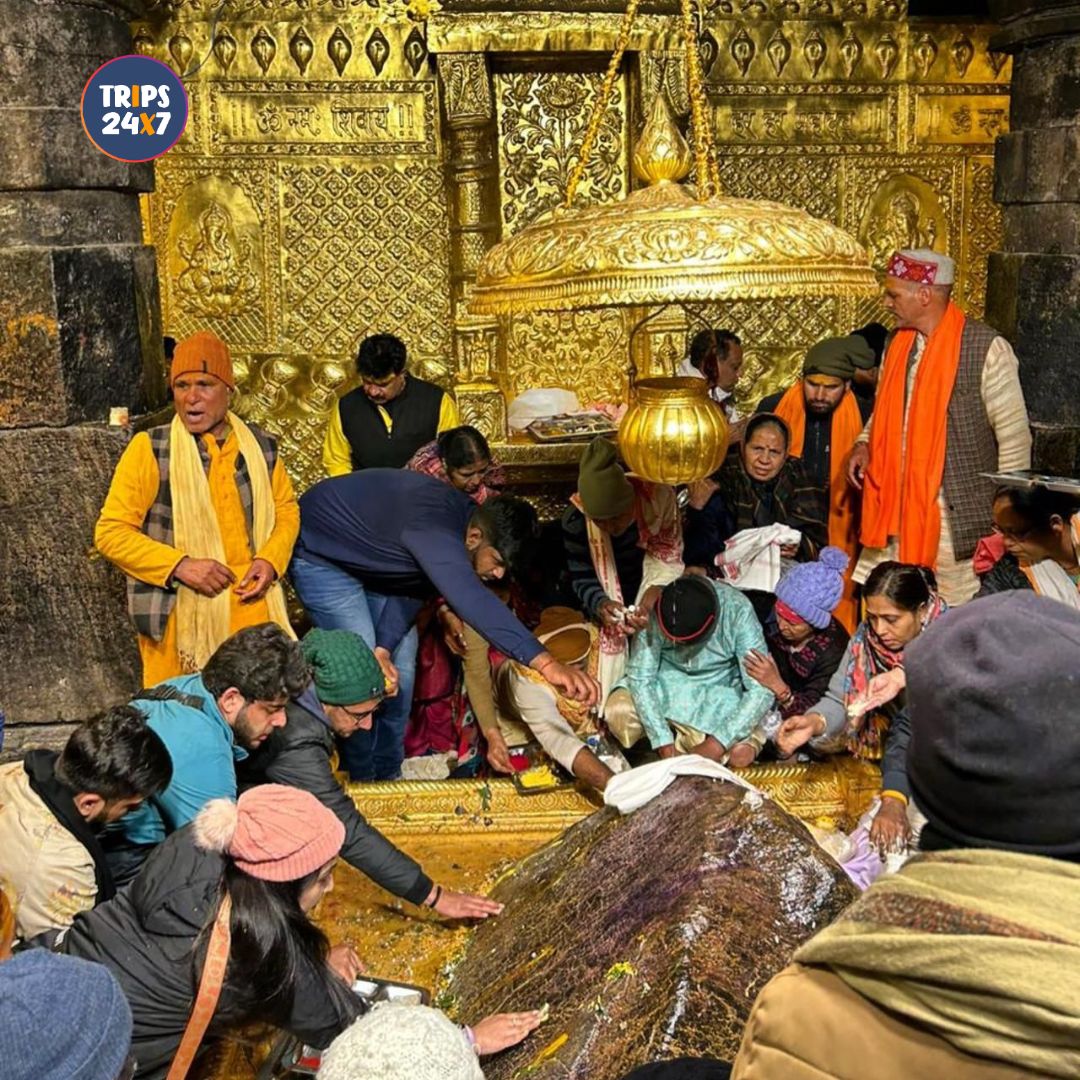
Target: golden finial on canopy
[661, 154]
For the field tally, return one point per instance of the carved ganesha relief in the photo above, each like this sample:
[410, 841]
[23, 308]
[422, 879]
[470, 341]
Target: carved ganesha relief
[215, 251]
[904, 212]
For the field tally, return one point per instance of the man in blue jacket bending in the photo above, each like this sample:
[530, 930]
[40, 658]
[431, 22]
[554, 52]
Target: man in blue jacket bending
[208, 722]
[374, 546]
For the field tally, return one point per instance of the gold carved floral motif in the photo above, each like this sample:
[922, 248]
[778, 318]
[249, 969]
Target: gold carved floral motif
[466, 87]
[583, 351]
[485, 411]
[292, 399]
[542, 117]
[365, 250]
[734, 247]
[982, 229]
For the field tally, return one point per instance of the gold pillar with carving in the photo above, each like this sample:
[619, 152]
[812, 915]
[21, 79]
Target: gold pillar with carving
[474, 227]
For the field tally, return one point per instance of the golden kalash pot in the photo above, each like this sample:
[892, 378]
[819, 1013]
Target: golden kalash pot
[673, 432]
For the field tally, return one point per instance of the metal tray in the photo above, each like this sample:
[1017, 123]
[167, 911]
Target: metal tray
[534, 754]
[598, 424]
[1024, 478]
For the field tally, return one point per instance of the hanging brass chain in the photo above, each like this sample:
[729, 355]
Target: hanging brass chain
[600, 106]
[708, 173]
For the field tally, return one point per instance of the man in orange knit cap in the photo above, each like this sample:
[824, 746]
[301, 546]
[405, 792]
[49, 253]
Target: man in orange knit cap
[201, 517]
[949, 408]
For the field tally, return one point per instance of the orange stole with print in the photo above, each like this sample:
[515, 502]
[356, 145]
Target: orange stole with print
[843, 499]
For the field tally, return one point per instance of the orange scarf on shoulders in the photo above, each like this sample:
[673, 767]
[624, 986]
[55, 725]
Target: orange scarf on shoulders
[900, 489]
[843, 499]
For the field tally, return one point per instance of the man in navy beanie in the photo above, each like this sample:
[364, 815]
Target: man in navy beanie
[994, 758]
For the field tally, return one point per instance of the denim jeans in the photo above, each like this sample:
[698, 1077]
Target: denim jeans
[336, 600]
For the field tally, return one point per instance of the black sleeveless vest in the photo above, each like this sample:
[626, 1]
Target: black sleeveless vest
[415, 416]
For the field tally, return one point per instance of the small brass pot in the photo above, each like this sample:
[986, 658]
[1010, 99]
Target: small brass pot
[673, 432]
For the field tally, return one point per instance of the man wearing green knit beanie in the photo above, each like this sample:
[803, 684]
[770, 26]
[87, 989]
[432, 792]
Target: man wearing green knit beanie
[347, 688]
[345, 671]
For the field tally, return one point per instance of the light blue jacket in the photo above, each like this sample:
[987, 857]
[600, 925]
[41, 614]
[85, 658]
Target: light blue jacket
[204, 757]
[703, 686]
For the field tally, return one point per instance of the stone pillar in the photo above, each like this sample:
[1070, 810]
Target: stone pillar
[80, 332]
[1034, 283]
[474, 227]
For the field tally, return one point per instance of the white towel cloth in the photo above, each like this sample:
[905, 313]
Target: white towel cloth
[751, 558]
[629, 791]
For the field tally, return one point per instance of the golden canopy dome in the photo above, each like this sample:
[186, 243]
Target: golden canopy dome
[662, 244]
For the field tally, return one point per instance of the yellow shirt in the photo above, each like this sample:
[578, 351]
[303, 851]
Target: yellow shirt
[119, 536]
[336, 452]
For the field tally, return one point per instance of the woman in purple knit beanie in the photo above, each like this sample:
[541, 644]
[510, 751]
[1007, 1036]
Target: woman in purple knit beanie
[806, 643]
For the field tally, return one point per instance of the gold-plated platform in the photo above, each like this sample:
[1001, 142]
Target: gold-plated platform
[467, 833]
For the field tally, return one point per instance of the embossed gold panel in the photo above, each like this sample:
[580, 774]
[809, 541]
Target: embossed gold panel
[348, 162]
[541, 121]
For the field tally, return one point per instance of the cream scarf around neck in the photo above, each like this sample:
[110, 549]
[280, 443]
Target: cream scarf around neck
[203, 622]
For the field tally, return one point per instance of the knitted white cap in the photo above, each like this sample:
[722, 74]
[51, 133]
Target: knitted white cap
[401, 1042]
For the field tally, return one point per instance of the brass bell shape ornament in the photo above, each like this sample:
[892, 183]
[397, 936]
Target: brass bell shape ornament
[673, 433]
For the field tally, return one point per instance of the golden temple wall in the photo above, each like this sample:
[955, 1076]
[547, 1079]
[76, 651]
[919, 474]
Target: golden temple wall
[348, 162]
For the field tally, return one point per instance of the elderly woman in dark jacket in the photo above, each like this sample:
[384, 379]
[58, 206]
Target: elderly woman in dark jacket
[758, 485]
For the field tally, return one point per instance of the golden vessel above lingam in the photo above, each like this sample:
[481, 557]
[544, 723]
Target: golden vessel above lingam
[673, 432]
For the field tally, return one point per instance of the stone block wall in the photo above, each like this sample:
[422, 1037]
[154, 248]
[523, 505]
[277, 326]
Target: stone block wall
[80, 333]
[1033, 293]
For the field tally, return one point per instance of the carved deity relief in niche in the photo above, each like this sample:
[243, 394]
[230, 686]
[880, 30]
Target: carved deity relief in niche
[904, 212]
[216, 257]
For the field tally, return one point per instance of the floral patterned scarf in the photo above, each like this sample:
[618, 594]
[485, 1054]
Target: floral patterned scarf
[427, 460]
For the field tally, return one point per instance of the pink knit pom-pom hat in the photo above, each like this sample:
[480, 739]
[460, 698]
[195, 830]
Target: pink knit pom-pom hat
[272, 832]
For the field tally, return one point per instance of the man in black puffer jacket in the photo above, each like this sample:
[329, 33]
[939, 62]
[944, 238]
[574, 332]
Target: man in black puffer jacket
[343, 699]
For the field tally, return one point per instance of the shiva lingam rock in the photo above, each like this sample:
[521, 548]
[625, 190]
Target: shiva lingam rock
[649, 936]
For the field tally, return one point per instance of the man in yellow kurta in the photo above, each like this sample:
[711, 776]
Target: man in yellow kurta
[201, 517]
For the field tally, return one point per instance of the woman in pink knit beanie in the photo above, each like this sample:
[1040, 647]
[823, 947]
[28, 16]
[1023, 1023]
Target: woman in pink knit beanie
[265, 860]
